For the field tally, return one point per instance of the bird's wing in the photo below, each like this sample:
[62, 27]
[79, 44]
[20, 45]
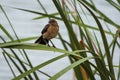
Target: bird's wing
[45, 28]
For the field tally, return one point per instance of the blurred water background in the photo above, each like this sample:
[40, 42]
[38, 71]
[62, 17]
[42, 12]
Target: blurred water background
[26, 27]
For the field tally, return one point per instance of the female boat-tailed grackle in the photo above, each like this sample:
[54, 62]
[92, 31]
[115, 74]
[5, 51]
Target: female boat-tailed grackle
[49, 31]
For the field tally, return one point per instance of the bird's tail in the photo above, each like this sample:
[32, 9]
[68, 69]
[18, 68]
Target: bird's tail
[40, 40]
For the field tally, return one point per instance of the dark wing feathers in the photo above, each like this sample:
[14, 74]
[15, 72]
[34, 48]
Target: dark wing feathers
[40, 40]
[45, 28]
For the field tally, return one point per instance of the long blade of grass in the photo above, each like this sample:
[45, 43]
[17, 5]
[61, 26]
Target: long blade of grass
[53, 16]
[100, 50]
[73, 65]
[114, 4]
[14, 61]
[118, 76]
[9, 65]
[20, 61]
[8, 20]
[40, 17]
[90, 42]
[118, 1]
[63, 42]
[40, 66]
[109, 59]
[72, 35]
[15, 36]
[41, 5]
[6, 32]
[92, 48]
[16, 65]
[31, 66]
[24, 39]
[39, 13]
[36, 47]
[44, 73]
[12, 56]
[102, 15]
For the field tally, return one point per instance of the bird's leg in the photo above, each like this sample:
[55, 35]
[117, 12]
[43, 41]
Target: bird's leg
[52, 44]
[47, 42]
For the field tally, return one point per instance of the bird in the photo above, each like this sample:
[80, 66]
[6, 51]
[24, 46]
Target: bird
[49, 31]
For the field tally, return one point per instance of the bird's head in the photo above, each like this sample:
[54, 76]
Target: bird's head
[53, 21]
